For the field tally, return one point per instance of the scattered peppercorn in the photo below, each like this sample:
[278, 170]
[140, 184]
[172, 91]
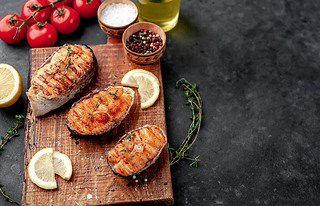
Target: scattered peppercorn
[144, 42]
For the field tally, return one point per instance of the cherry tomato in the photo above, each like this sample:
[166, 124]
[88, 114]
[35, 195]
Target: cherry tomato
[8, 26]
[29, 7]
[65, 2]
[65, 19]
[86, 8]
[44, 36]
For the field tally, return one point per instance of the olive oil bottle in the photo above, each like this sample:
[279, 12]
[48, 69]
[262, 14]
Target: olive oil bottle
[164, 13]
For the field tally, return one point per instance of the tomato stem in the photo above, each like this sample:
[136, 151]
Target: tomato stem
[34, 7]
[61, 12]
[39, 8]
[88, 2]
[12, 21]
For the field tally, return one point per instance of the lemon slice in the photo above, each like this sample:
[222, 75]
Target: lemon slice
[147, 83]
[10, 85]
[45, 164]
[128, 79]
[41, 170]
[62, 165]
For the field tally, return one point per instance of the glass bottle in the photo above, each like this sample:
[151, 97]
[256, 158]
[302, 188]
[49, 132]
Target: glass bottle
[164, 13]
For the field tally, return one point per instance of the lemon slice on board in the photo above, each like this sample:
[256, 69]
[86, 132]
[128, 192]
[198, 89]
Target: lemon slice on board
[128, 79]
[41, 170]
[147, 83]
[62, 165]
[10, 85]
[45, 164]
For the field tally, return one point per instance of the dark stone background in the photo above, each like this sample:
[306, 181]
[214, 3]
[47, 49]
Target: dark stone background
[256, 64]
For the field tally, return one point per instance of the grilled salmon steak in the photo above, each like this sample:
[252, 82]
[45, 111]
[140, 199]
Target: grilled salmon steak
[137, 150]
[68, 70]
[100, 111]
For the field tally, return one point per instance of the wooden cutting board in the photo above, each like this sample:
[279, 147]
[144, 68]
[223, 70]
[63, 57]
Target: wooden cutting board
[93, 182]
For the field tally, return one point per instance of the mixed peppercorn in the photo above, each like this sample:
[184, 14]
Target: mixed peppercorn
[144, 42]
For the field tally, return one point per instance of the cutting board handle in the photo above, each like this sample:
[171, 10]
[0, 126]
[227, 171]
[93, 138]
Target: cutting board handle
[114, 40]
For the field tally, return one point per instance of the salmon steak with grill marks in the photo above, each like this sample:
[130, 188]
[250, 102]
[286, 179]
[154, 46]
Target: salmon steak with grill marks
[64, 74]
[137, 150]
[100, 111]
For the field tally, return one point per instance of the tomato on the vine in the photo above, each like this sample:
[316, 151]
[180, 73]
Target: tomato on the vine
[65, 19]
[30, 6]
[86, 8]
[44, 35]
[65, 2]
[8, 31]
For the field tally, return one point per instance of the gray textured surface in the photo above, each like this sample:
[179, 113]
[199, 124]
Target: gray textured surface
[257, 67]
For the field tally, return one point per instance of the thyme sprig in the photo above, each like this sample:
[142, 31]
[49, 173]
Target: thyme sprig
[68, 64]
[11, 132]
[113, 93]
[195, 102]
[126, 149]
[7, 197]
[97, 103]
[129, 135]
[33, 7]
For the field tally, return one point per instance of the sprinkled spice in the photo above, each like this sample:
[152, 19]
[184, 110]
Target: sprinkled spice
[118, 14]
[144, 42]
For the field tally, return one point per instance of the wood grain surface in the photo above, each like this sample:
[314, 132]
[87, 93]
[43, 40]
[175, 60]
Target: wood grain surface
[93, 182]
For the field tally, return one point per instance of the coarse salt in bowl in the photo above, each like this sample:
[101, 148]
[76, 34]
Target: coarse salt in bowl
[118, 14]
[114, 16]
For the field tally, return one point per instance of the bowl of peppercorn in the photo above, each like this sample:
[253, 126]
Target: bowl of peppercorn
[114, 16]
[144, 42]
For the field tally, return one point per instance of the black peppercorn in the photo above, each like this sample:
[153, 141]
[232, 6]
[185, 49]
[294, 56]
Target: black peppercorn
[144, 42]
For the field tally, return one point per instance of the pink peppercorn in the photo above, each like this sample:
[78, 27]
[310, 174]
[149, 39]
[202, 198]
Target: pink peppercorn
[144, 42]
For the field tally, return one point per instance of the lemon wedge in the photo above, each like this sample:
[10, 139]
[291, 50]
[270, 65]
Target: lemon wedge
[45, 164]
[62, 165]
[147, 83]
[10, 85]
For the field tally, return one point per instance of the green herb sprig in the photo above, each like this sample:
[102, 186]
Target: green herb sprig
[113, 93]
[129, 135]
[126, 149]
[7, 197]
[11, 132]
[195, 102]
[68, 64]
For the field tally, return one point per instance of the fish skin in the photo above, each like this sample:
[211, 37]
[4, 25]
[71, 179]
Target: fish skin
[107, 115]
[150, 137]
[48, 90]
